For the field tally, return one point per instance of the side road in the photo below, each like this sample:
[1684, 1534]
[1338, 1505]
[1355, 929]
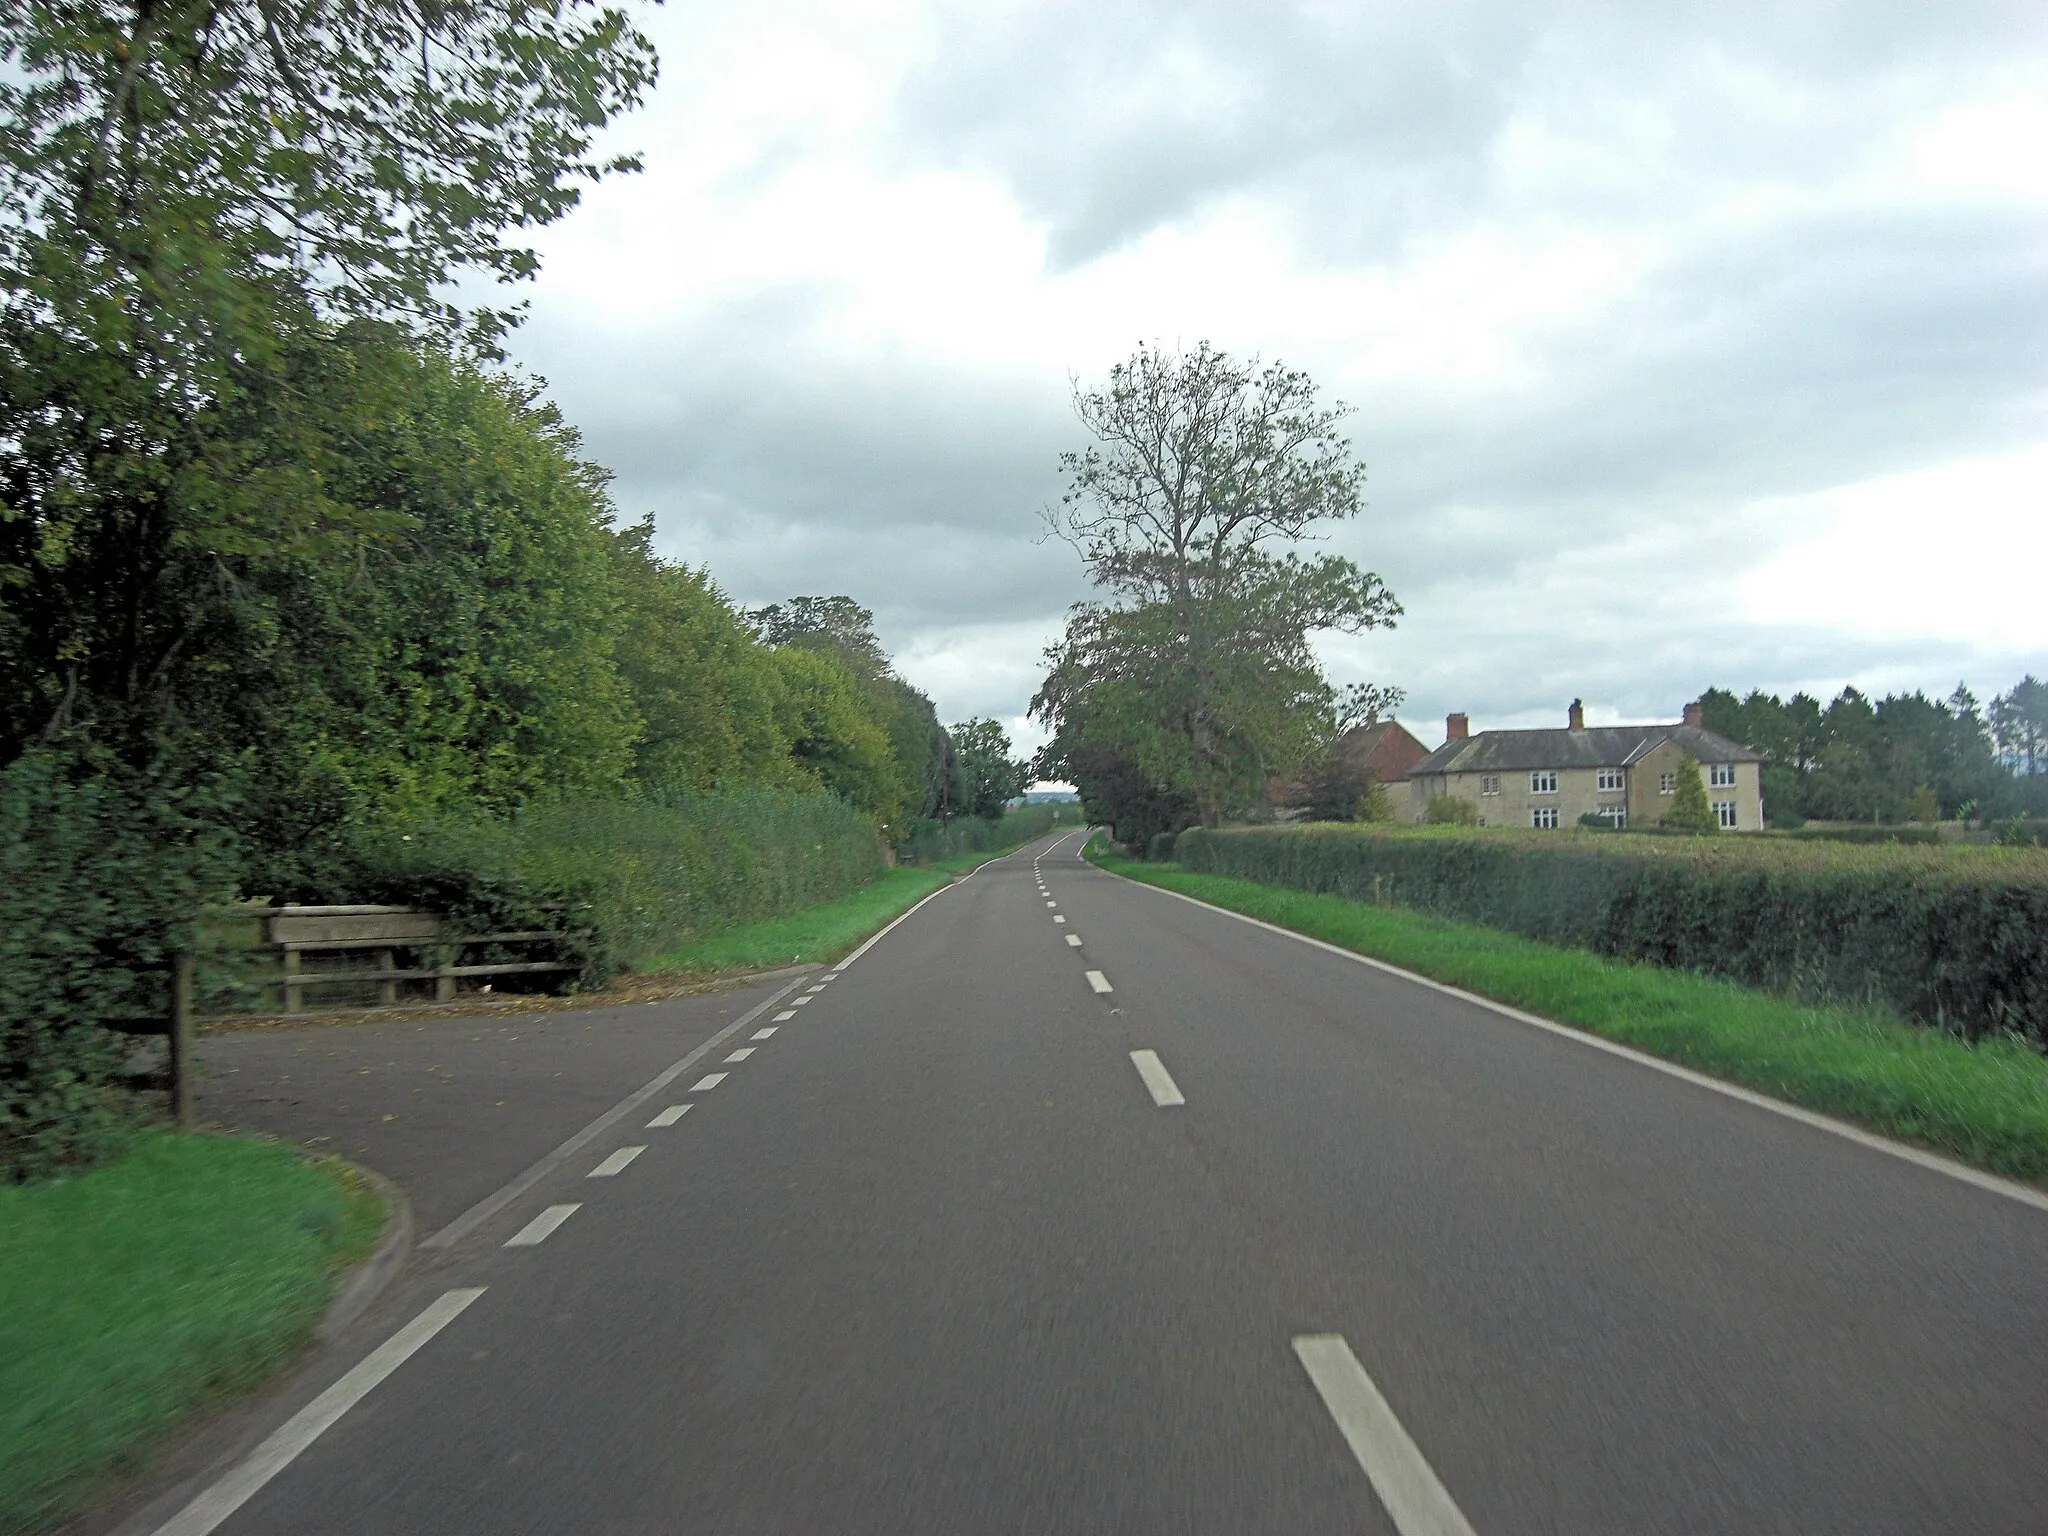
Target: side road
[451, 1108]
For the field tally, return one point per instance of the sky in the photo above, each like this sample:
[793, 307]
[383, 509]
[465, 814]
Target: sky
[1689, 345]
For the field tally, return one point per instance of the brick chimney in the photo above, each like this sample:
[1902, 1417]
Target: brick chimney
[1577, 717]
[1692, 713]
[1456, 727]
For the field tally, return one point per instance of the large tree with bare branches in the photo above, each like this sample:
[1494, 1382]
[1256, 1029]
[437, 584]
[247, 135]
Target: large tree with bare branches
[1206, 474]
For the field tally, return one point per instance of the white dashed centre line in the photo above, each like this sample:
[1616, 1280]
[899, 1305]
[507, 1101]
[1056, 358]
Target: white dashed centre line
[1059, 917]
[816, 990]
[1158, 1081]
[1098, 982]
[537, 1230]
[707, 1082]
[785, 1016]
[798, 1002]
[1074, 939]
[762, 1034]
[742, 1053]
[1415, 1501]
[614, 1164]
[668, 1117]
[1052, 903]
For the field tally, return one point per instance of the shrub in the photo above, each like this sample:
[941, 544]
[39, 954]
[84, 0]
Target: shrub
[1689, 809]
[930, 841]
[1920, 835]
[635, 875]
[1160, 849]
[1955, 937]
[102, 874]
[1450, 810]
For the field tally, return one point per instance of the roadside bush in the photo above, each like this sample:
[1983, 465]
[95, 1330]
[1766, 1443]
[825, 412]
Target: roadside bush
[102, 874]
[636, 875]
[931, 840]
[1160, 849]
[1923, 836]
[1449, 810]
[1952, 937]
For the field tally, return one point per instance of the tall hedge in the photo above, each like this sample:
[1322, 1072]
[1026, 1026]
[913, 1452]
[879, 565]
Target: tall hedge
[635, 875]
[102, 872]
[1953, 937]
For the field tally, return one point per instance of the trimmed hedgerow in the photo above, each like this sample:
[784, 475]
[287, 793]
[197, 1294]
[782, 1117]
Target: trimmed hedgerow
[623, 879]
[1953, 937]
[931, 841]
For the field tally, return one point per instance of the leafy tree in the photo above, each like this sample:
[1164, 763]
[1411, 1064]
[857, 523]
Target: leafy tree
[710, 697]
[188, 188]
[989, 777]
[835, 741]
[837, 626]
[1115, 793]
[1196, 666]
[2019, 722]
[1689, 809]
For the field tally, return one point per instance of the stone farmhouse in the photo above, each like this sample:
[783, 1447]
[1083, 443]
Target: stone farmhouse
[1624, 773]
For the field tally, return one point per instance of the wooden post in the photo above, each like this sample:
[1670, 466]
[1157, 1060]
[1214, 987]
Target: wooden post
[288, 995]
[387, 991]
[181, 1039]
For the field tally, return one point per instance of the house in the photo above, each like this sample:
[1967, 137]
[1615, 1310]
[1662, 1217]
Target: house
[1382, 752]
[1625, 773]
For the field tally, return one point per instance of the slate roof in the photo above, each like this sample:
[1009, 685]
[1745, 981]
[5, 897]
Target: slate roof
[1604, 746]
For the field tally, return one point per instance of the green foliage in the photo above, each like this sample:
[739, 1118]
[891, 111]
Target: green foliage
[102, 874]
[1985, 1103]
[1953, 937]
[988, 777]
[1689, 809]
[818, 934]
[1926, 836]
[1116, 793]
[1197, 669]
[1450, 810]
[177, 1276]
[637, 875]
[1160, 849]
[931, 842]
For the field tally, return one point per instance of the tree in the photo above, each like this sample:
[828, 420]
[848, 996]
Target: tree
[1689, 809]
[988, 776]
[1196, 665]
[190, 192]
[2019, 722]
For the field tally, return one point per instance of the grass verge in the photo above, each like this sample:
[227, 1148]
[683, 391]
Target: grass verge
[816, 934]
[1986, 1104]
[184, 1272]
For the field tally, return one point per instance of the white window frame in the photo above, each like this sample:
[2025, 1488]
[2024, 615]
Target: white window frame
[1543, 817]
[1618, 814]
[1610, 779]
[1543, 781]
[1489, 784]
[1724, 812]
[1721, 776]
[1667, 783]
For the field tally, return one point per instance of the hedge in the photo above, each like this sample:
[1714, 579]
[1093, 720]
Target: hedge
[1952, 937]
[931, 840]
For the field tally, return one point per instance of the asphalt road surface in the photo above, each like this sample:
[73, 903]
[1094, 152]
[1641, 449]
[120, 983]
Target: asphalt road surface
[1070, 1206]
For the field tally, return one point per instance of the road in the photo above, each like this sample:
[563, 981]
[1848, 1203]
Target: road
[1071, 1206]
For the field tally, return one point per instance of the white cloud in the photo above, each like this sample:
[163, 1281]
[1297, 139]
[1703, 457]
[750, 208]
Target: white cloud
[1667, 324]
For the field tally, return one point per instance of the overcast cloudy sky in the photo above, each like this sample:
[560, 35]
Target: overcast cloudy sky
[1690, 344]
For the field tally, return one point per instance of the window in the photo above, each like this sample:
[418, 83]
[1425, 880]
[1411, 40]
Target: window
[1724, 812]
[1543, 782]
[1543, 815]
[1610, 778]
[1617, 814]
[1722, 775]
[1490, 784]
[1667, 783]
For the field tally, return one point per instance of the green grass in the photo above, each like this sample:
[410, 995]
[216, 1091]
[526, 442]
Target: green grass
[185, 1271]
[1986, 1104]
[816, 934]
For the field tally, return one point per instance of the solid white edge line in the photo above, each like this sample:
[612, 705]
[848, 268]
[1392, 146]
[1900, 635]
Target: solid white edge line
[1417, 1503]
[542, 1227]
[498, 1199]
[1934, 1162]
[874, 939]
[1097, 982]
[668, 1117]
[615, 1164]
[304, 1427]
[1158, 1081]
